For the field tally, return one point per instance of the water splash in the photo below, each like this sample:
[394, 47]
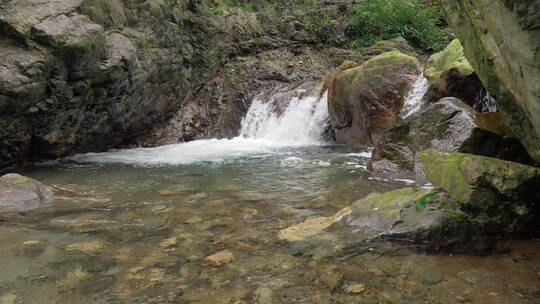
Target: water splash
[485, 102]
[302, 123]
[414, 100]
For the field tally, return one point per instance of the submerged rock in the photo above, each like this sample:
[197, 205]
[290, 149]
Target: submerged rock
[405, 219]
[20, 193]
[219, 258]
[501, 41]
[447, 125]
[498, 192]
[364, 101]
[451, 75]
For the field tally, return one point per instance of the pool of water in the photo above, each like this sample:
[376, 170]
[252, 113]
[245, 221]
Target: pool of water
[139, 231]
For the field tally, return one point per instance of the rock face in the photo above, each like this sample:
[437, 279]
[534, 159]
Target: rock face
[365, 101]
[20, 193]
[501, 41]
[447, 125]
[451, 75]
[503, 192]
[408, 219]
[88, 75]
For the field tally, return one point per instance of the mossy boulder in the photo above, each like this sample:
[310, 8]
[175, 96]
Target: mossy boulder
[20, 193]
[364, 101]
[446, 125]
[451, 58]
[501, 40]
[504, 192]
[397, 44]
[405, 219]
[450, 74]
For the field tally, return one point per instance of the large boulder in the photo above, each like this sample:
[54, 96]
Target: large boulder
[447, 125]
[397, 44]
[410, 219]
[20, 193]
[451, 75]
[505, 193]
[501, 39]
[365, 101]
[90, 75]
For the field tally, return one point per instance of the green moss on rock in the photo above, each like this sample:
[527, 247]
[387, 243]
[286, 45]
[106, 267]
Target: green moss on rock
[501, 42]
[504, 191]
[365, 101]
[451, 58]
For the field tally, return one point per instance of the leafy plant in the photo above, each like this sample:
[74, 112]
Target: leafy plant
[414, 20]
[459, 217]
[423, 202]
[248, 7]
[309, 24]
[269, 8]
[219, 10]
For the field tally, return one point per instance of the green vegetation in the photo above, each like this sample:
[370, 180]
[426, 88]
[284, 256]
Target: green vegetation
[415, 20]
[422, 202]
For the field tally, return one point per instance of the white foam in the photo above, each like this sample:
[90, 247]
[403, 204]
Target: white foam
[413, 101]
[360, 154]
[263, 131]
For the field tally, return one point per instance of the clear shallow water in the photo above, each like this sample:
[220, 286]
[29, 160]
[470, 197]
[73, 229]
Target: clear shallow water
[136, 225]
[139, 234]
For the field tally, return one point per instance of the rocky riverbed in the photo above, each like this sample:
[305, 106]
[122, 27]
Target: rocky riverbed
[210, 233]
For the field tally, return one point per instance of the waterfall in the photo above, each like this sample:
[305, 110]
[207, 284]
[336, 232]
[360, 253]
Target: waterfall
[302, 122]
[484, 102]
[413, 101]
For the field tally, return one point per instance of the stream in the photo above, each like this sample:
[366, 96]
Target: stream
[143, 220]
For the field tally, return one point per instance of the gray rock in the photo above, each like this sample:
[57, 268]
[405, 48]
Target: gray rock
[497, 192]
[73, 30]
[21, 193]
[410, 219]
[501, 41]
[79, 76]
[447, 125]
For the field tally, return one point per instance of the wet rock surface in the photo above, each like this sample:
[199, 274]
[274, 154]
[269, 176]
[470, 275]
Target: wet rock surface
[365, 101]
[82, 76]
[451, 75]
[500, 40]
[406, 220]
[499, 192]
[447, 125]
[20, 193]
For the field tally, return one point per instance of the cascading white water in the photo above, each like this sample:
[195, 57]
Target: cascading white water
[302, 123]
[413, 101]
[484, 102]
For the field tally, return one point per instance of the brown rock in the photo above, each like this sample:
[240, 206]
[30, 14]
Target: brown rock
[364, 101]
[219, 258]
[329, 83]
